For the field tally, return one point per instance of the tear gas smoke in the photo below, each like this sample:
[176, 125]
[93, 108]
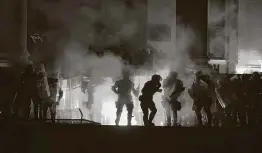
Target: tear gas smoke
[176, 58]
[218, 13]
[120, 25]
[233, 36]
[79, 62]
[222, 26]
[103, 71]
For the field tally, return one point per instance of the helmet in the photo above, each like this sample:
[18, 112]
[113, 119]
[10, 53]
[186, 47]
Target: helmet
[198, 73]
[255, 75]
[156, 77]
[125, 73]
[173, 74]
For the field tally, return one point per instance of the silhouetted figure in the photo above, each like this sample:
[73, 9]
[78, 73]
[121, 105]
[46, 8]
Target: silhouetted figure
[255, 91]
[123, 89]
[237, 102]
[147, 103]
[25, 94]
[173, 87]
[36, 99]
[53, 100]
[209, 97]
[226, 93]
[245, 95]
[199, 92]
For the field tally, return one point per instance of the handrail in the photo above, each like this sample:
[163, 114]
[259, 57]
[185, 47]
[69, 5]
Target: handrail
[71, 120]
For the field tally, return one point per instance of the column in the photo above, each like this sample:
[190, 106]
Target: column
[231, 31]
[24, 25]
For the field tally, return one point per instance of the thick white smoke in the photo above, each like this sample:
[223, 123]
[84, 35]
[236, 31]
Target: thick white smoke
[222, 25]
[177, 59]
[117, 27]
[118, 24]
[176, 56]
[81, 61]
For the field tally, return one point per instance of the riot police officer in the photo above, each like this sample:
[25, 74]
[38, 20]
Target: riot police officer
[173, 87]
[123, 89]
[146, 99]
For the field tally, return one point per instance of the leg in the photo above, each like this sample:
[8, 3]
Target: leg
[129, 107]
[174, 114]
[27, 109]
[145, 113]
[198, 114]
[44, 110]
[36, 111]
[53, 113]
[119, 107]
[168, 116]
[36, 103]
[167, 113]
[152, 114]
[40, 110]
[241, 114]
[209, 115]
[27, 112]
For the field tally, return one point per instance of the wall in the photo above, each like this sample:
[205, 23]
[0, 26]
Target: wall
[216, 29]
[249, 35]
[250, 25]
[232, 41]
[162, 13]
[223, 34]
[10, 28]
[194, 14]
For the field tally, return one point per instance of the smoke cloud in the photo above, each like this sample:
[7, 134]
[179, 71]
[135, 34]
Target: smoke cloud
[79, 60]
[176, 58]
[222, 26]
[117, 27]
[110, 26]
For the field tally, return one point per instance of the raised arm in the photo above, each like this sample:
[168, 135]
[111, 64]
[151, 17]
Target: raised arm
[115, 87]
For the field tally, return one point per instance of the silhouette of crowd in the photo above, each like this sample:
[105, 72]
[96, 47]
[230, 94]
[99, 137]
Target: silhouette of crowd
[28, 94]
[238, 96]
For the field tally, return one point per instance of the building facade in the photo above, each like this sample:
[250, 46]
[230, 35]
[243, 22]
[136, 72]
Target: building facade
[223, 18]
[234, 35]
[250, 30]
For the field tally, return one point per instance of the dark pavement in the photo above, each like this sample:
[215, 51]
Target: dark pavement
[17, 137]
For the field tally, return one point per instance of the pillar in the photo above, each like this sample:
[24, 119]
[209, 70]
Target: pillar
[231, 33]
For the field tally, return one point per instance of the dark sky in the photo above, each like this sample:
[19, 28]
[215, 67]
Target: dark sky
[194, 13]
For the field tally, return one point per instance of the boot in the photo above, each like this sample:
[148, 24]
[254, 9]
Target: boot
[117, 121]
[151, 124]
[129, 120]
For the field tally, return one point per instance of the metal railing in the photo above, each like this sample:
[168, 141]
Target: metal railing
[72, 121]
